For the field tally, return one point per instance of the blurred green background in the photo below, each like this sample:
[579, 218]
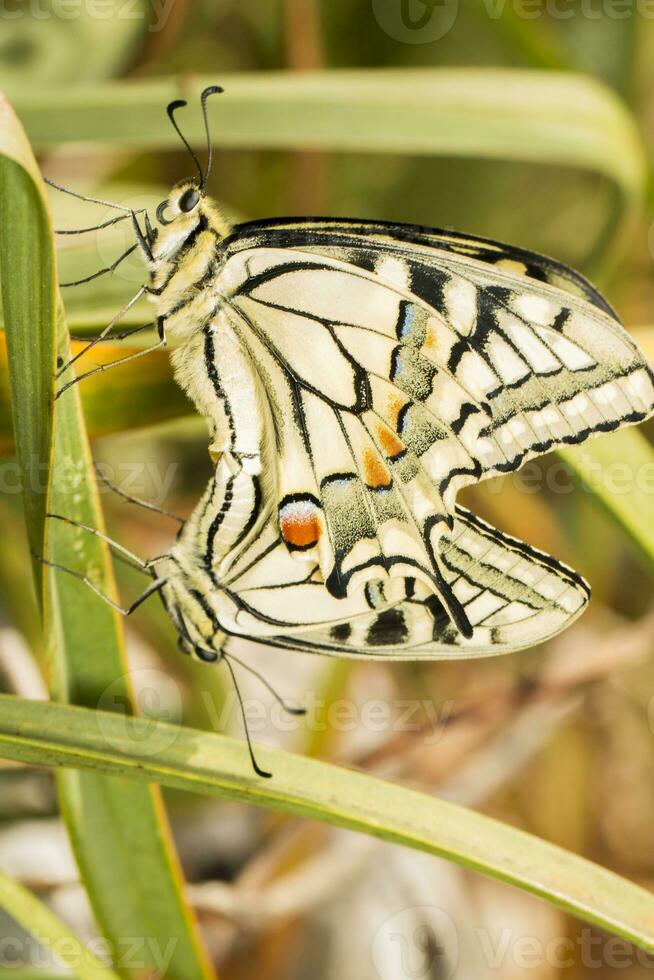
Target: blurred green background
[556, 740]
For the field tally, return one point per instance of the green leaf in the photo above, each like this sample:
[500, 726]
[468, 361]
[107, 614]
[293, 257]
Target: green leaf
[546, 117]
[28, 301]
[118, 829]
[561, 117]
[619, 471]
[37, 919]
[202, 762]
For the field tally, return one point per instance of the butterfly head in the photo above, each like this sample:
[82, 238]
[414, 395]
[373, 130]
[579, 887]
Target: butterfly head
[181, 216]
[187, 209]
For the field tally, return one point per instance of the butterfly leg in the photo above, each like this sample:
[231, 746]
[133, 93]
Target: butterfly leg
[103, 333]
[105, 367]
[146, 504]
[156, 586]
[141, 238]
[101, 272]
[289, 709]
[227, 658]
[118, 549]
[255, 765]
[123, 335]
[187, 645]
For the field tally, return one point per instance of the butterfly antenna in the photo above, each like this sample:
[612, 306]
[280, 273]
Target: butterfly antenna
[211, 90]
[280, 700]
[257, 768]
[171, 110]
[91, 200]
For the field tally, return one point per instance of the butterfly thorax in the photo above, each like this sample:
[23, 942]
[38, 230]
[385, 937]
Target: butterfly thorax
[190, 301]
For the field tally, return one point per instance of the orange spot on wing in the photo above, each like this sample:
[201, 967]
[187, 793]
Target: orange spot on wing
[395, 406]
[430, 341]
[300, 527]
[390, 443]
[374, 470]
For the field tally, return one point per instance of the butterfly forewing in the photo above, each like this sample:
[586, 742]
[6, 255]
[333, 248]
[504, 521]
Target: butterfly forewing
[403, 370]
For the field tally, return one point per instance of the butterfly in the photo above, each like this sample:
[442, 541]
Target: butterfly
[355, 376]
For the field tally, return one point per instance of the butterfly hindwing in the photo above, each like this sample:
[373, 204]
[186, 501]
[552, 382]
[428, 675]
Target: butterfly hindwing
[513, 595]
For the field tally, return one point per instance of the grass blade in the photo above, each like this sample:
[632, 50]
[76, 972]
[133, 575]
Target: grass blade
[118, 829]
[561, 117]
[541, 116]
[28, 300]
[37, 919]
[619, 471]
[204, 762]
[132, 877]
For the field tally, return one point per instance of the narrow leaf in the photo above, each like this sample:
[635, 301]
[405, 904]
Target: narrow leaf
[28, 301]
[213, 764]
[618, 470]
[37, 919]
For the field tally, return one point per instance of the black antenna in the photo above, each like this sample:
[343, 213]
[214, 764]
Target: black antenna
[210, 90]
[172, 108]
[257, 768]
[280, 700]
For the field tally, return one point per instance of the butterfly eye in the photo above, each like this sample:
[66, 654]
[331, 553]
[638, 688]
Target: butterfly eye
[189, 199]
[161, 218]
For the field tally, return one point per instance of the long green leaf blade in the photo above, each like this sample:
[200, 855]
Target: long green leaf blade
[28, 300]
[204, 762]
[550, 117]
[619, 471]
[561, 117]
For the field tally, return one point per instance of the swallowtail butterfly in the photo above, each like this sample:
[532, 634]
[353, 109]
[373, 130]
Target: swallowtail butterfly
[355, 376]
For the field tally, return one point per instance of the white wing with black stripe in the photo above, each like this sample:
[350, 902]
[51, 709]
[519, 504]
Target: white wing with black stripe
[400, 366]
[512, 595]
